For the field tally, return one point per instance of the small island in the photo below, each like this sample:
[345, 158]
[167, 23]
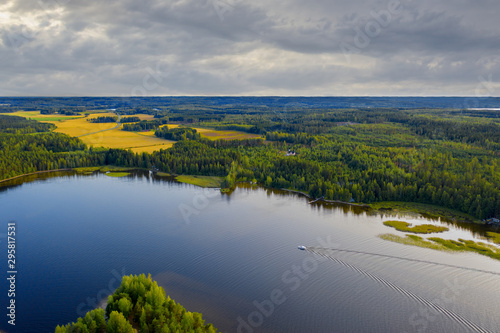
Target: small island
[447, 245]
[418, 229]
[139, 305]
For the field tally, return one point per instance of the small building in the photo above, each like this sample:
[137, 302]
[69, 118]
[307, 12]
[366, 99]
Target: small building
[493, 221]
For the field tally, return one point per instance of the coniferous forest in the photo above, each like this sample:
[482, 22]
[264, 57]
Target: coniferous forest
[445, 157]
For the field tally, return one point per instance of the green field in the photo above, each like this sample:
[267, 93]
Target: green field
[117, 174]
[224, 134]
[107, 168]
[203, 181]
[36, 115]
[87, 169]
[418, 229]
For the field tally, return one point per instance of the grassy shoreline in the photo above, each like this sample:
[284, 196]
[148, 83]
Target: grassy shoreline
[393, 208]
[105, 168]
[117, 174]
[33, 173]
[202, 181]
[425, 210]
[418, 229]
[446, 245]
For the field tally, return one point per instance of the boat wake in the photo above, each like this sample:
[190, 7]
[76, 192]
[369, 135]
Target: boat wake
[436, 307]
[312, 249]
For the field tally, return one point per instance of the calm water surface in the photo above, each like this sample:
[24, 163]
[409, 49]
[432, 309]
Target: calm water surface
[235, 259]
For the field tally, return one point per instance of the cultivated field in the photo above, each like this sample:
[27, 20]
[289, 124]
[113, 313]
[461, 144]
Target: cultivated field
[224, 135]
[142, 116]
[110, 137]
[150, 149]
[116, 138]
[203, 181]
[36, 115]
[218, 135]
[80, 126]
[147, 133]
[105, 135]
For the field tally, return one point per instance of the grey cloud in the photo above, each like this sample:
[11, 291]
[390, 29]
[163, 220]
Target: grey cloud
[97, 48]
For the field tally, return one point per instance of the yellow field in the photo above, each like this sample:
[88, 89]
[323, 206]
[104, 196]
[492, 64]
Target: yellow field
[142, 116]
[200, 130]
[36, 115]
[225, 135]
[170, 126]
[217, 135]
[80, 126]
[147, 133]
[116, 138]
[102, 114]
[150, 149]
[111, 137]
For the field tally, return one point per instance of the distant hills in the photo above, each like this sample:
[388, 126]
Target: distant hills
[27, 103]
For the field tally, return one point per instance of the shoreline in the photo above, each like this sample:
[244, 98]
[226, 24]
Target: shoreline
[323, 200]
[35, 173]
[320, 200]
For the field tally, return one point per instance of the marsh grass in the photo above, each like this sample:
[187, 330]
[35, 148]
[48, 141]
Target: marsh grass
[107, 168]
[87, 169]
[163, 174]
[418, 229]
[114, 168]
[117, 174]
[440, 244]
[493, 236]
[203, 181]
[414, 241]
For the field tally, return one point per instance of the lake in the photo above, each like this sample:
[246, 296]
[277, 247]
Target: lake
[234, 258]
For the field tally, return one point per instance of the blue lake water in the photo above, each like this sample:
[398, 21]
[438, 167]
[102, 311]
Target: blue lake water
[234, 259]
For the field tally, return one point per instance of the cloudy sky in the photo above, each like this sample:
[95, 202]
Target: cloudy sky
[258, 47]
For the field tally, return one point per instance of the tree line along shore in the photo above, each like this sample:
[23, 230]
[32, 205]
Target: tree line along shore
[353, 156]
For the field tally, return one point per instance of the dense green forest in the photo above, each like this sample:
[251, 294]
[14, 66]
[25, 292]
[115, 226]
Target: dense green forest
[103, 119]
[444, 157]
[130, 120]
[139, 305]
[178, 134]
[19, 125]
[144, 125]
[28, 146]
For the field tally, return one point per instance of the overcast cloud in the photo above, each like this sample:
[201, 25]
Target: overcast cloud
[240, 47]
